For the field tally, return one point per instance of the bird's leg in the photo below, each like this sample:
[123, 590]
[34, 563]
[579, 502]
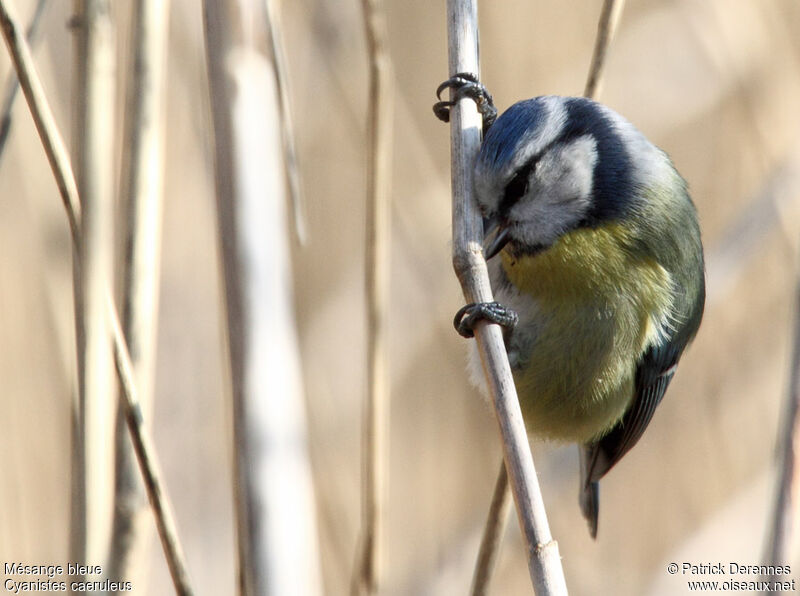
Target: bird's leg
[467, 316]
[465, 84]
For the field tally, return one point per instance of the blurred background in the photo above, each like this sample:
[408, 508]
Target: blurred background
[716, 84]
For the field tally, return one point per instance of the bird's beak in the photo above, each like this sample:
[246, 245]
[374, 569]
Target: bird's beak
[496, 236]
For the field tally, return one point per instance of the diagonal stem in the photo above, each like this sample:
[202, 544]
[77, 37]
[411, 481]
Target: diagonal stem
[62, 170]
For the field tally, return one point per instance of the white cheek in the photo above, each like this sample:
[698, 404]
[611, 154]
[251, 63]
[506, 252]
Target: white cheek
[490, 178]
[559, 192]
[577, 161]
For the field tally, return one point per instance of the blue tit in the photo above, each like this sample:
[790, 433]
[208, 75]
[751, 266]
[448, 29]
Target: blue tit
[593, 240]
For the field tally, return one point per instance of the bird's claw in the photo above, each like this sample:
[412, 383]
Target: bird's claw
[468, 315]
[466, 85]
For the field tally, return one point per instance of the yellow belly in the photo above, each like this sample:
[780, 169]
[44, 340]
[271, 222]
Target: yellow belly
[598, 305]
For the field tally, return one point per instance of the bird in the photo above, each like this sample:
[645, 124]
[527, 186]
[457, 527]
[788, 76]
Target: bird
[593, 242]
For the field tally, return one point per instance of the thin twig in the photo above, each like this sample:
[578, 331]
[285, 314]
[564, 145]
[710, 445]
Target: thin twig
[496, 519]
[141, 189]
[287, 123]
[606, 28]
[145, 453]
[786, 521]
[367, 571]
[544, 562]
[53, 144]
[62, 170]
[273, 486]
[12, 83]
[492, 535]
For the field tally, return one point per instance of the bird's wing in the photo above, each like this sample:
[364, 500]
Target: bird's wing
[653, 375]
[656, 366]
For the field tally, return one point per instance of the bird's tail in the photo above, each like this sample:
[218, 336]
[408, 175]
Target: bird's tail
[589, 492]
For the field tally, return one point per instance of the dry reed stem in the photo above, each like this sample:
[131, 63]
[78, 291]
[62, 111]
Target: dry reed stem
[274, 496]
[498, 510]
[544, 562]
[12, 83]
[606, 28]
[54, 147]
[93, 150]
[367, 571]
[141, 189]
[55, 150]
[492, 535]
[287, 123]
[783, 542]
[145, 452]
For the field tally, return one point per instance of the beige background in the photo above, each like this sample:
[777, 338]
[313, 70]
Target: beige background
[714, 83]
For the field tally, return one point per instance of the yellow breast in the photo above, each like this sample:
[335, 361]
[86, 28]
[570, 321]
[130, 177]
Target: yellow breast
[599, 303]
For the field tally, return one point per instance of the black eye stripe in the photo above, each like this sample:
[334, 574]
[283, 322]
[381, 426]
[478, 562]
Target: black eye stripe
[517, 186]
[515, 189]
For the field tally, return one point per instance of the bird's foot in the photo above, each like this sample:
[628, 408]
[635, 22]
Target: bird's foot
[494, 312]
[465, 84]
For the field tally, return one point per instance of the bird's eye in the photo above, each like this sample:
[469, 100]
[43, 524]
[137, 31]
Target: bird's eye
[515, 189]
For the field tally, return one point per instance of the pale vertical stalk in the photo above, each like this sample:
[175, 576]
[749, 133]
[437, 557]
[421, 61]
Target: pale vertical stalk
[275, 506]
[58, 158]
[544, 562]
[287, 123]
[367, 571]
[492, 535]
[495, 521]
[77, 547]
[141, 191]
[94, 150]
[785, 535]
[606, 28]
